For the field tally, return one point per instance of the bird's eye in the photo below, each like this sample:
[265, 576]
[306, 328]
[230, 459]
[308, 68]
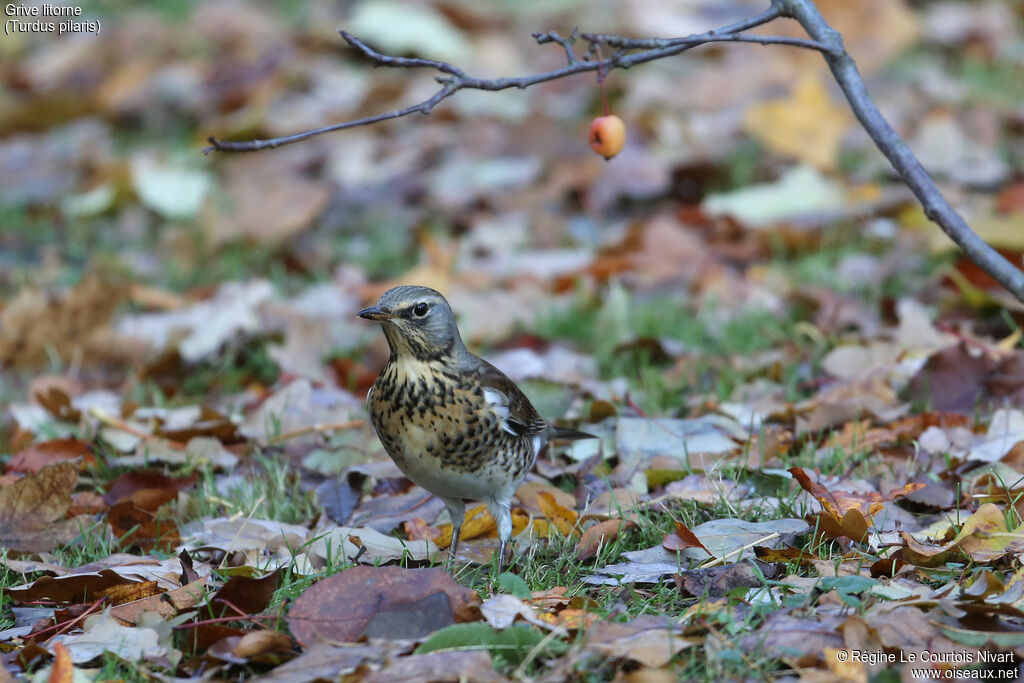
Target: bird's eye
[420, 310]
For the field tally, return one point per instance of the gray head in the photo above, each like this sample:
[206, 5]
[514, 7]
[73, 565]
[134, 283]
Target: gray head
[417, 322]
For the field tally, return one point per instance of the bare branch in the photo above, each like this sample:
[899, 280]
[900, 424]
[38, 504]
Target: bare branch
[456, 79]
[896, 150]
[649, 43]
[567, 43]
[380, 59]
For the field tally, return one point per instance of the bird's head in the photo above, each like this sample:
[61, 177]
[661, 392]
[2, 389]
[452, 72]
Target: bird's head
[418, 323]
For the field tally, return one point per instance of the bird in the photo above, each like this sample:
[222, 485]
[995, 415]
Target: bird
[453, 423]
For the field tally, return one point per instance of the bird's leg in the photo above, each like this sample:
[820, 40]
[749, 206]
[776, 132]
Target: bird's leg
[453, 548]
[501, 513]
[501, 557]
[457, 512]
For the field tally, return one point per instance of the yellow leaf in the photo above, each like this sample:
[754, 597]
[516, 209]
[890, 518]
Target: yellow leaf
[807, 125]
[477, 523]
[520, 520]
[563, 518]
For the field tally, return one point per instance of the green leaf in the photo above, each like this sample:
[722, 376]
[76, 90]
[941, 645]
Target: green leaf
[512, 584]
[511, 644]
[848, 585]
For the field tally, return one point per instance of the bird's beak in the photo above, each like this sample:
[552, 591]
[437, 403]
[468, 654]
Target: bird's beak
[376, 313]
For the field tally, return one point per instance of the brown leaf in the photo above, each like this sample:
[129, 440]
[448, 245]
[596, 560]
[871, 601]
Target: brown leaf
[57, 402]
[845, 513]
[984, 537]
[36, 325]
[147, 489]
[39, 455]
[262, 646]
[138, 527]
[71, 588]
[600, 534]
[648, 639]
[785, 554]
[416, 529]
[258, 642]
[324, 661]
[552, 597]
[245, 593]
[802, 639]
[716, 582]
[440, 667]
[265, 202]
[343, 607]
[681, 539]
[952, 380]
[86, 503]
[166, 604]
[130, 592]
[32, 509]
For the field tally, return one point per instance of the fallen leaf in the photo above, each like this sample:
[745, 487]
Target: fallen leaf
[681, 539]
[440, 667]
[501, 611]
[511, 644]
[845, 513]
[807, 125]
[36, 325]
[802, 639]
[32, 509]
[261, 646]
[563, 518]
[718, 582]
[648, 640]
[600, 534]
[147, 489]
[63, 670]
[322, 661]
[39, 455]
[245, 594]
[368, 546]
[103, 633]
[166, 604]
[984, 537]
[410, 603]
[137, 527]
[478, 522]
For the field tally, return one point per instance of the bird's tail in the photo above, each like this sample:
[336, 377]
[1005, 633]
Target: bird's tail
[567, 434]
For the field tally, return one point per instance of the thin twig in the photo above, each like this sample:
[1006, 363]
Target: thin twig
[456, 79]
[221, 620]
[719, 560]
[66, 626]
[120, 425]
[316, 429]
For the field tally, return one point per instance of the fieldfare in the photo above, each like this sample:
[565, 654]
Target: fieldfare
[451, 421]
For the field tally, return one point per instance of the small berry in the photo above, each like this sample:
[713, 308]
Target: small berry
[607, 135]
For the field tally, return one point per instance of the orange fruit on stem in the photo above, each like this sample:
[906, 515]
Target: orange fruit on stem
[607, 135]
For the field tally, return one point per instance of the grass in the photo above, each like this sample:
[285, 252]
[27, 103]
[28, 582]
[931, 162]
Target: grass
[269, 490]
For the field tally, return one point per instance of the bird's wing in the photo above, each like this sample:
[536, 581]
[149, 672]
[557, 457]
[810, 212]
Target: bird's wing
[514, 411]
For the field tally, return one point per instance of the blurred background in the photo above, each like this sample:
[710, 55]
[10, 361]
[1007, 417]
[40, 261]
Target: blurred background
[748, 226]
